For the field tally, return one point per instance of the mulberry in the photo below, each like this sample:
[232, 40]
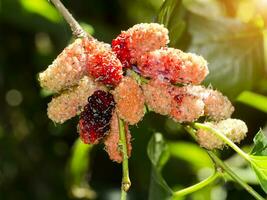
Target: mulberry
[95, 119]
[112, 141]
[174, 66]
[157, 96]
[234, 129]
[217, 106]
[129, 100]
[185, 107]
[141, 38]
[68, 68]
[104, 66]
[70, 102]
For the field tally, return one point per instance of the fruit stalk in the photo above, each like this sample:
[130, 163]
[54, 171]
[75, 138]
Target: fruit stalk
[77, 30]
[126, 183]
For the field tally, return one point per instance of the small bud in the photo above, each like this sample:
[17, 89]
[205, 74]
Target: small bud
[174, 66]
[130, 45]
[71, 102]
[112, 140]
[129, 100]
[234, 129]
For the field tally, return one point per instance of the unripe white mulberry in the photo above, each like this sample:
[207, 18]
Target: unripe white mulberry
[234, 129]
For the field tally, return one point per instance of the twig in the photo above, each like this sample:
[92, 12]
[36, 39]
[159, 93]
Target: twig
[197, 186]
[77, 30]
[126, 183]
[229, 171]
[223, 166]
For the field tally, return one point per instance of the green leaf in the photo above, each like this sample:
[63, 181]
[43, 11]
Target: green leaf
[258, 157]
[191, 153]
[172, 14]
[260, 145]
[158, 154]
[234, 51]
[254, 100]
[41, 7]
[259, 164]
[77, 171]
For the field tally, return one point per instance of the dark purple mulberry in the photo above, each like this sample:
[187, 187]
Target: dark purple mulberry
[95, 119]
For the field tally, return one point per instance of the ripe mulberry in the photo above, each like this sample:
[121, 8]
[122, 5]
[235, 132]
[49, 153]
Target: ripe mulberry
[174, 66]
[68, 68]
[104, 66]
[95, 119]
[70, 102]
[157, 96]
[129, 100]
[234, 129]
[112, 141]
[141, 38]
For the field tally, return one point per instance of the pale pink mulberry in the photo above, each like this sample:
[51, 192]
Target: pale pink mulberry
[69, 103]
[217, 106]
[141, 38]
[185, 107]
[68, 68]
[174, 66]
[234, 129]
[157, 96]
[129, 100]
[112, 141]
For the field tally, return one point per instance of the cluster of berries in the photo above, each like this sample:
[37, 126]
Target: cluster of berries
[92, 79]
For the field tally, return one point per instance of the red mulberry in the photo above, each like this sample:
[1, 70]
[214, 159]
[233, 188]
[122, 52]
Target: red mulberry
[70, 102]
[129, 100]
[104, 66]
[112, 141]
[173, 65]
[141, 38]
[95, 119]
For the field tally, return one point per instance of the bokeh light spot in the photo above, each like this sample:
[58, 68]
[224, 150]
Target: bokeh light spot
[14, 97]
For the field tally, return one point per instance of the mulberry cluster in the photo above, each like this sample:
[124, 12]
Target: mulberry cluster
[103, 83]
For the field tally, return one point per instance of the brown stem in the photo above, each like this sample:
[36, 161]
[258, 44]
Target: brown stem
[77, 30]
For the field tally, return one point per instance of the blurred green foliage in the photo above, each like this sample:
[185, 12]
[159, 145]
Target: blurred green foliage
[37, 160]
